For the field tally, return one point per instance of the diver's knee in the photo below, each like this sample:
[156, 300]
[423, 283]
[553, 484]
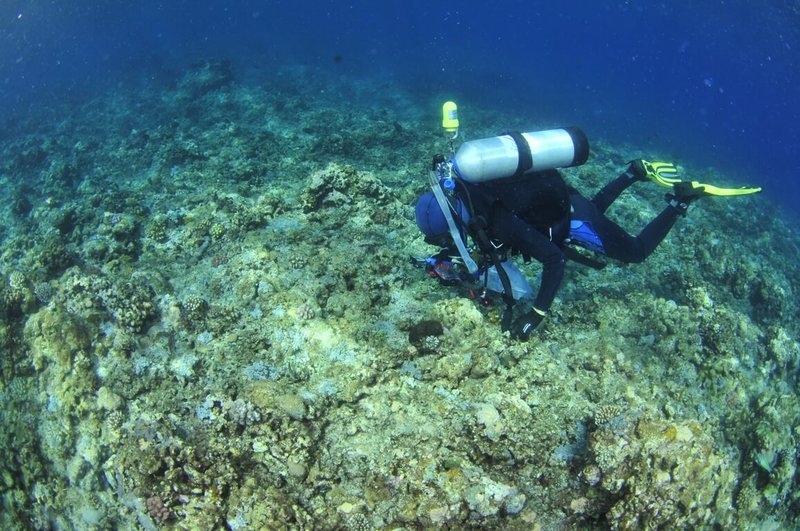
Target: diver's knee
[637, 255]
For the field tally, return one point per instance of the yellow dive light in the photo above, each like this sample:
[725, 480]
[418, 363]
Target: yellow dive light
[450, 118]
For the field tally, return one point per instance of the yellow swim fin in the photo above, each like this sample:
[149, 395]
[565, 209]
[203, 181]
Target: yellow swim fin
[665, 174]
[710, 189]
[658, 172]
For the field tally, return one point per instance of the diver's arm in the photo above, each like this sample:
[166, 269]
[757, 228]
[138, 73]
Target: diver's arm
[524, 238]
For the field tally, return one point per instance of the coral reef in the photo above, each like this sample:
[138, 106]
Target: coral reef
[208, 320]
[662, 475]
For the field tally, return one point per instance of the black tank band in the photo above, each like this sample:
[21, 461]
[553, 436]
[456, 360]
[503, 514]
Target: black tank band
[524, 150]
[581, 144]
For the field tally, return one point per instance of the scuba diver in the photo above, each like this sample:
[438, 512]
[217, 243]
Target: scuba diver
[507, 195]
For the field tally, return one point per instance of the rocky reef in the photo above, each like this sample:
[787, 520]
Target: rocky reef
[209, 320]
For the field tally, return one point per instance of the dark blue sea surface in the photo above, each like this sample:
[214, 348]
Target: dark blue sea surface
[711, 83]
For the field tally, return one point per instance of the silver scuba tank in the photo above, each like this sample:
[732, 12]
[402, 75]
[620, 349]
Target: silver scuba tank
[515, 154]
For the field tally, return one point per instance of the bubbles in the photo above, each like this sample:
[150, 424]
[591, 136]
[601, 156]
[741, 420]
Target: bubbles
[710, 83]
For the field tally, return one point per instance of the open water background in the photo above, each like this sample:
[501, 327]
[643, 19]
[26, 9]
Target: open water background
[713, 82]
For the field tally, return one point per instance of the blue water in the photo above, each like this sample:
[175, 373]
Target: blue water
[711, 83]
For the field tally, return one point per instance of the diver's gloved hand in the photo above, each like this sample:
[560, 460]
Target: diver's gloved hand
[524, 325]
[662, 173]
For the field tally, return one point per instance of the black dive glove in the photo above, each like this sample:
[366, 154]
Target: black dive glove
[525, 325]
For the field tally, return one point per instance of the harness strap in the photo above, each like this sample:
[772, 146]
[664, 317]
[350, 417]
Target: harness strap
[444, 206]
[477, 226]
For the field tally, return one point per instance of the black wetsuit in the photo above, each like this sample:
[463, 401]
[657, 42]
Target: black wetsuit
[537, 214]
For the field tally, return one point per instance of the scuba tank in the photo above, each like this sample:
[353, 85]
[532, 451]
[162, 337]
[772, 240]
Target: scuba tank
[515, 154]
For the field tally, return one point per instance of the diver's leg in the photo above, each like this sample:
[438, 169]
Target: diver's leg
[610, 192]
[655, 231]
[620, 245]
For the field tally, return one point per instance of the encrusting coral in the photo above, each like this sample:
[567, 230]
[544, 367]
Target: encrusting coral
[210, 320]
